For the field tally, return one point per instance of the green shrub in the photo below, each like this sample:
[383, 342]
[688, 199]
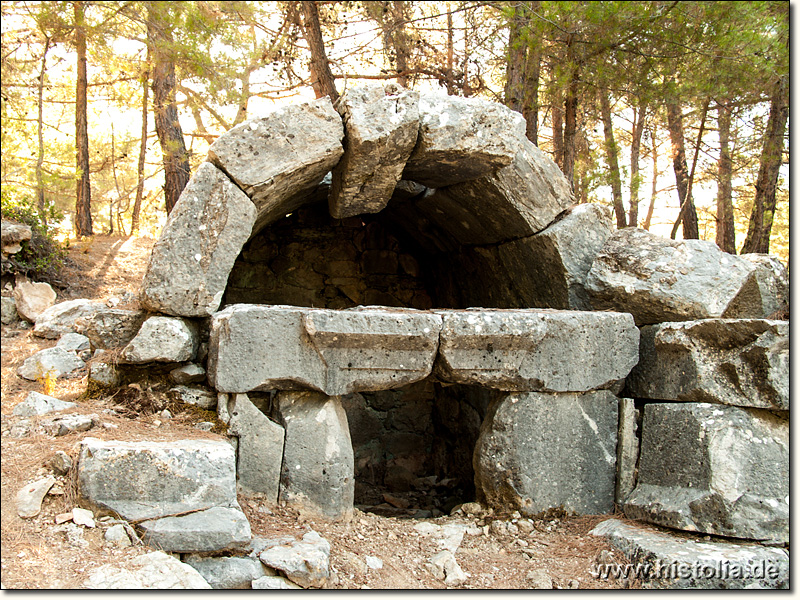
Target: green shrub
[41, 257]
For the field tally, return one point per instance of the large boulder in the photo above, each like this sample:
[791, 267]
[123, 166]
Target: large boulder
[109, 328]
[50, 363]
[227, 572]
[657, 280]
[148, 480]
[9, 312]
[212, 530]
[715, 469]
[773, 281]
[462, 139]
[63, 317]
[317, 471]
[536, 350]
[33, 299]
[162, 339]
[281, 157]
[539, 451]
[191, 261]
[743, 362]
[336, 352]
[381, 125]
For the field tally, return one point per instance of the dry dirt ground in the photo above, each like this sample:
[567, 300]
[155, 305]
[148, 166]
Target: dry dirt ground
[38, 554]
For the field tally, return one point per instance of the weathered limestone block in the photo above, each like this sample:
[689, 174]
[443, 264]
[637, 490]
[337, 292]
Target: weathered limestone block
[74, 342]
[627, 450]
[110, 327]
[306, 562]
[63, 317]
[536, 350]
[191, 261]
[9, 313]
[716, 469]
[12, 235]
[155, 570]
[552, 265]
[260, 449]
[279, 158]
[516, 201]
[51, 362]
[33, 299]
[317, 472]
[191, 373]
[462, 139]
[195, 395]
[336, 352]
[743, 362]
[657, 280]
[39, 404]
[677, 563]
[773, 281]
[211, 530]
[148, 480]
[539, 451]
[381, 125]
[162, 339]
[227, 572]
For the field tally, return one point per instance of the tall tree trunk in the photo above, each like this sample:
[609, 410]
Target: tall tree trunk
[321, 76]
[530, 103]
[694, 167]
[763, 213]
[726, 231]
[570, 126]
[400, 41]
[137, 204]
[40, 203]
[654, 187]
[688, 211]
[636, 145]
[611, 158]
[165, 110]
[558, 132]
[522, 72]
[83, 201]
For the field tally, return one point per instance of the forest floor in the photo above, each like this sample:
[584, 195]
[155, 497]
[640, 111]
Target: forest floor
[38, 554]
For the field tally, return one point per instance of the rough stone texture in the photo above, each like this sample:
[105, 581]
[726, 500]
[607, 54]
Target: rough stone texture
[155, 570]
[260, 450]
[73, 423]
[305, 562]
[197, 396]
[53, 362]
[443, 566]
[516, 201]
[117, 535]
[191, 373]
[536, 350]
[9, 314]
[627, 450]
[40, 404]
[336, 352]
[743, 362]
[12, 235]
[110, 327]
[162, 339]
[103, 374]
[716, 469]
[61, 463]
[381, 125]
[657, 280]
[678, 563]
[551, 266]
[462, 139]
[317, 471]
[74, 342]
[33, 299]
[148, 480]
[773, 281]
[191, 261]
[29, 498]
[271, 582]
[62, 318]
[212, 530]
[279, 158]
[227, 572]
[540, 451]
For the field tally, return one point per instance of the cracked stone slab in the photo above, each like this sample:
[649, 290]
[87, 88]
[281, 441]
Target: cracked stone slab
[335, 352]
[674, 562]
[538, 451]
[715, 469]
[536, 350]
[741, 362]
[381, 125]
[212, 530]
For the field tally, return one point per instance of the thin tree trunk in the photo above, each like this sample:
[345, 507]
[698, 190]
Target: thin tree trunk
[688, 212]
[450, 79]
[654, 188]
[321, 75]
[137, 204]
[40, 203]
[530, 104]
[400, 41]
[83, 201]
[694, 166]
[763, 213]
[570, 127]
[636, 144]
[558, 133]
[611, 158]
[726, 231]
[515, 65]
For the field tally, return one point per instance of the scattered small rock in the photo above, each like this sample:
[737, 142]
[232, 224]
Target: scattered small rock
[307, 563]
[81, 516]
[191, 373]
[444, 566]
[116, 534]
[40, 404]
[29, 498]
[273, 582]
[373, 562]
[539, 579]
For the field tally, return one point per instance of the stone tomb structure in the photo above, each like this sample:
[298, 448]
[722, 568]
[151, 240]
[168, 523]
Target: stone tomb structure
[325, 264]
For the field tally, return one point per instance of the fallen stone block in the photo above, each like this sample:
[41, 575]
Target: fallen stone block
[715, 469]
[12, 235]
[61, 318]
[110, 327]
[317, 472]
[8, 308]
[72, 424]
[668, 561]
[197, 396]
[148, 480]
[162, 339]
[462, 139]
[278, 159]
[155, 570]
[658, 280]
[306, 562]
[191, 373]
[536, 350]
[191, 261]
[742, 362]
[381, 125]
[227, 572]
[104, 374]
[540, 451]
[74, 342]
[212, 530]
[627, 450]
[32, 299]
[39, 404]
[773, 282]
[336, 352]
[49, 363]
